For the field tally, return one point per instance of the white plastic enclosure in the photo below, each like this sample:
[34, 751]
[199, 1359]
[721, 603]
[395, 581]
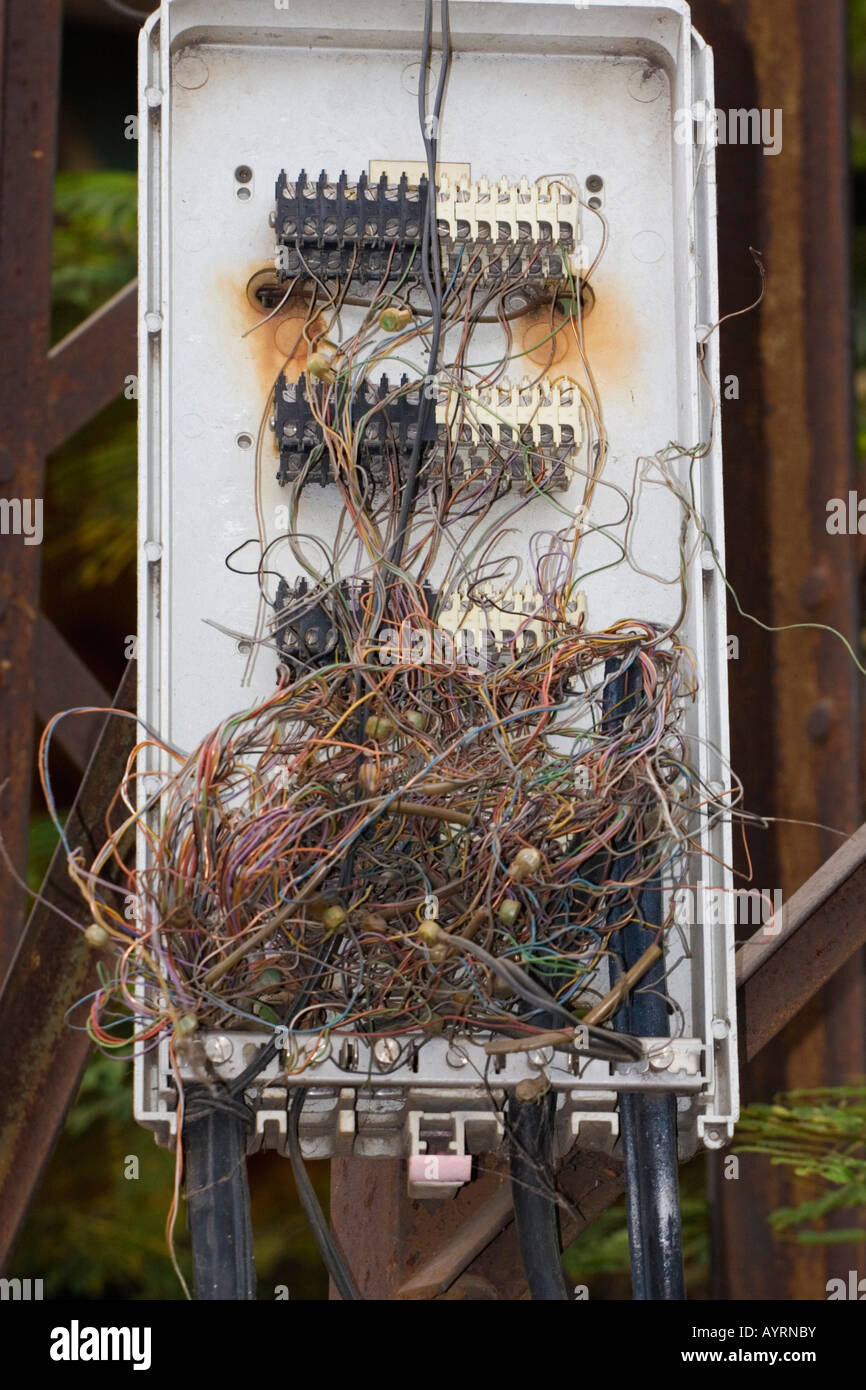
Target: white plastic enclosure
[535, 88]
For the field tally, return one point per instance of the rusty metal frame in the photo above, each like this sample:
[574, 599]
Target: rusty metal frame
[46, 394]
[44, 1046]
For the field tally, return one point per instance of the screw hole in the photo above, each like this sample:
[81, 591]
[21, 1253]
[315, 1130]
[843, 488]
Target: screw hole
[244, 193]
[244, 441]
[595, 202]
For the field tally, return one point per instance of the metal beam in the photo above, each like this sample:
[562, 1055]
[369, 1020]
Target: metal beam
[63, 681]
[41, 1057]
[822, 927]
[29, 61]
[87, 369]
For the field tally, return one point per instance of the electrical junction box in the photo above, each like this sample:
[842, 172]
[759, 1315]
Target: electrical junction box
[237, 98]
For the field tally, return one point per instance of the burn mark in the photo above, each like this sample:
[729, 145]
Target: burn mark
[614, 340]
[284, 342]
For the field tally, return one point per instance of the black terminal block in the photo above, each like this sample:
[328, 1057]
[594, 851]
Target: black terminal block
[305, 632]
[368, 231]
[306, 627]
[386, 436]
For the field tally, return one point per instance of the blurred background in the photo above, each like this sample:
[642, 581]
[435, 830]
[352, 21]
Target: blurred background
[91, 1232]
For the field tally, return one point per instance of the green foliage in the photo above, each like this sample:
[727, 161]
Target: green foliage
[821, 1135]
[95, 248]
[41, 844]
[857, 36]
[91, 501]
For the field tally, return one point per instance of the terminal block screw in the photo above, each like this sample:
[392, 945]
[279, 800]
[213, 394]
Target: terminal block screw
[386, 1051]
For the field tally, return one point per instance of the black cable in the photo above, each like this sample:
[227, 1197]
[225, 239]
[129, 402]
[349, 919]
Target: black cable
[429, 256]
[649, 1131]
[215, 1127]
[536, 1211]
[334, 1262]
[648, 1124]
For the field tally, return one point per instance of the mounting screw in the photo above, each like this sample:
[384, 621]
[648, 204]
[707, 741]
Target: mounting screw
[243, 173]
[660, 1061]
[595, 183]
[386, 1051]
[218, 1047]
[311, 637]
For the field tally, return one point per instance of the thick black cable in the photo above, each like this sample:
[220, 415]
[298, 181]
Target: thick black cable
[333, 1259]
[648, 1126]
[650, 1131]
[536, 1211]
[215, 1127]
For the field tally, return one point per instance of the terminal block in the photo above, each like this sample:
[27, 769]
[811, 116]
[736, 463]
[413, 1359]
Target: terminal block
[482, 628]
[530, 432]
[507, 230]
[368, 231]
[307, 622]
[385, 435]
[305, 631]
[372, 230]
[526, 435]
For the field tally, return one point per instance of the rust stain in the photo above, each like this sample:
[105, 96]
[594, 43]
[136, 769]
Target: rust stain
[614, 338]
[278, 339]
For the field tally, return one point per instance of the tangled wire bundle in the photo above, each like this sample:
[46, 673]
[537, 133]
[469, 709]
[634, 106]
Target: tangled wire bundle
[399, 838]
